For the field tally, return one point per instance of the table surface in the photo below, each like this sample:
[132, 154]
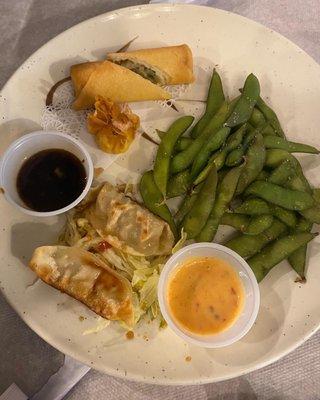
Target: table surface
[25, 358]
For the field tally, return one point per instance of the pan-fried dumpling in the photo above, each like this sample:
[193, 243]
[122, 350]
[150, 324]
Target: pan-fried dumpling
[127, 226]
[85, 277]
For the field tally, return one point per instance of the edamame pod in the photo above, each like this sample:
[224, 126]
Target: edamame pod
[281, 174]
[178, 184]
[237, 221]
[297, 259]
[255, 158]
[256, 206]
[253, 206]
[187, 203]
[276, 142]
[268, 130]
[215, 99]
[235, 157]
[165, 151]
[257, 119]
[275, 194]
[244, 106]
[225, 194]
[312, 214]
[263, 176]
[217, 159]
[154, 201]
[235, 139]
[182, 144]
[270, 116]
[258, 224]
[200, 211]
[276, 252]
[247, 246]
[185, 158]
[288, 217]
[213, 143]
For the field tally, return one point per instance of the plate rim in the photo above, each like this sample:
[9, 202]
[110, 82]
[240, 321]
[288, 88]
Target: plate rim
[138, 377]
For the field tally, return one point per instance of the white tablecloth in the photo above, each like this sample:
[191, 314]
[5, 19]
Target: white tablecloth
[25, 358]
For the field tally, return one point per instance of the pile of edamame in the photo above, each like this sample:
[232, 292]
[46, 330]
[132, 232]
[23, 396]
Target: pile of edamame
[235, 167]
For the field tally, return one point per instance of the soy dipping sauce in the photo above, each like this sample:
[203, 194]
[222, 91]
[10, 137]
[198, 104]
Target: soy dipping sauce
[51, 179]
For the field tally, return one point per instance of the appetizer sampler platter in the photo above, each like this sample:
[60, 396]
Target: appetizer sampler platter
[289, 311]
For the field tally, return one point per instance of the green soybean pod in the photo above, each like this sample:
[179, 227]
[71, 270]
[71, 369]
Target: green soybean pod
[255, 158]
[257, 119]
[160, 133]
[185, 158]
[215, 100]
[154, 201]
[213, 143]
[268, 130]
[247, 246]
[276, 142]
[281, 174]
[259, 224]
[274, 157]
[237, 221]
[312, 214]
[235, 139]
[275, 194]
[199, 213]
[270, 116]
[247, 140]
[244, 106]
[178, 184]
[217, 159]
[316, 195]
[165, 151]
[276, 252]
[256, 206]
[288, 217]
[225, 194]
[263, 176]
[297, 259]
[183, 143]
[187, 203]
[235, 157]
[253, 206]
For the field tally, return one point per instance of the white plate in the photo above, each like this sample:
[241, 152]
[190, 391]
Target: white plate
[289, 312]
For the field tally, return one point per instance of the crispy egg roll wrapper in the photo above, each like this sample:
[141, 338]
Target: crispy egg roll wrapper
[113, 82]
[174, 63]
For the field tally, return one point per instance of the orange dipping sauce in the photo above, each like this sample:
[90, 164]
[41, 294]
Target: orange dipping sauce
[205, 295]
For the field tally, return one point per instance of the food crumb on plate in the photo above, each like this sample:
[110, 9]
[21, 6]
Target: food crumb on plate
[81, 318]
[188, 358]
[130, 335]
[98, 171]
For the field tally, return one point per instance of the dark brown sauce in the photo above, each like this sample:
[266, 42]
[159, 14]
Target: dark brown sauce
[51, 179]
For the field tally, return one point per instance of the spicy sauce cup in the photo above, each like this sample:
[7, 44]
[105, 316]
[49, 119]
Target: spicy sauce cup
[251, 301]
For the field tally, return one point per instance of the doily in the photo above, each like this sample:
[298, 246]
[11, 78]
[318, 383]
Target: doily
[62, 118]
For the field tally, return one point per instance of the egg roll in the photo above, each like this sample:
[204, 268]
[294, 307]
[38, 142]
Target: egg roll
[171, 65]
[113, 82]
[127, 226]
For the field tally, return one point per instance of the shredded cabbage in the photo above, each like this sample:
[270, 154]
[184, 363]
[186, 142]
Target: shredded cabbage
[142, 272]
[102, 323]
[180, 243]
